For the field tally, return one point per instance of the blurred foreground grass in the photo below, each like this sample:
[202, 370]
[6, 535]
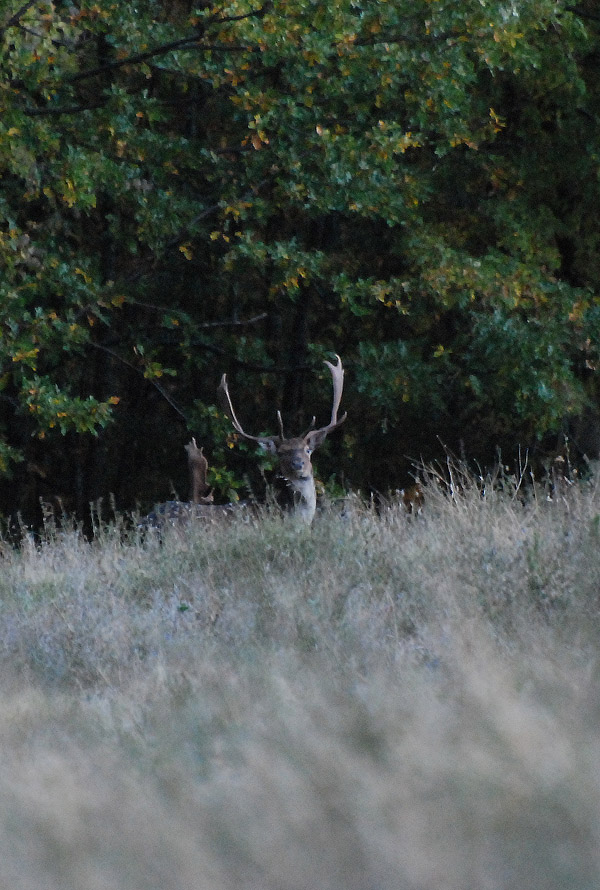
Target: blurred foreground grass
[376, 703]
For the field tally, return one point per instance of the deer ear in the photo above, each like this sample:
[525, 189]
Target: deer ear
[314, 439]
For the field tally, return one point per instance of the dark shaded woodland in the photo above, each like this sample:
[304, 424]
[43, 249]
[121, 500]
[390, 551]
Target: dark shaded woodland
[188, 190]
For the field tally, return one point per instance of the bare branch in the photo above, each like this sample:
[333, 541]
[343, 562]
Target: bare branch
[14, 20]
[244, 322]
[258, 13]
[165, 48]
[135, 59]
[231, 324]
[583, 13]
[210, 210]
[137, 370]
[66, 109]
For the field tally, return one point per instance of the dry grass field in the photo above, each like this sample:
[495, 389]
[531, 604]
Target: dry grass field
[374, 703]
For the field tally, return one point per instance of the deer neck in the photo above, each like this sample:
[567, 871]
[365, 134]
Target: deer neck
[305, 498]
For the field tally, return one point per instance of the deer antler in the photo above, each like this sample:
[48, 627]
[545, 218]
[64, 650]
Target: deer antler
[314, 438]
[268, 442]
[337, 374]
[280, 422]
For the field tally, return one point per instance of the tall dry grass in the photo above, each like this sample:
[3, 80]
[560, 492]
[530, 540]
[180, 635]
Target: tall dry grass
[372, 703]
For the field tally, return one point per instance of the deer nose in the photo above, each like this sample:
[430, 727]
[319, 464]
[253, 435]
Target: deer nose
[297, 463]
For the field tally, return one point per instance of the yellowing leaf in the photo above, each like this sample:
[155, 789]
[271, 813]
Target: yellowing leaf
[25, 354]
[83, 274]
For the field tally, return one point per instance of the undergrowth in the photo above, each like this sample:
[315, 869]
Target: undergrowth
[380, 701]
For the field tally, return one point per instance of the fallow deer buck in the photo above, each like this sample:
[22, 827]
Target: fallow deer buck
[294, 454]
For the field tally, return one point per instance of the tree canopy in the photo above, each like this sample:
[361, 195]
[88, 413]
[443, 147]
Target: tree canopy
[191, 188]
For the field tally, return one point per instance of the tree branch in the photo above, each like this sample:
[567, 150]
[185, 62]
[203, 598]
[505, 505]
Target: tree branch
[208, 212]
[215, 349]
[176, 44]
[380, 39]
[250, 366]
[14, 20]
[207, 324]
[231, 324]
[65, 109]
[595, 17]
[259, 13]
[152, 53]
[169, 47]
[137, 370]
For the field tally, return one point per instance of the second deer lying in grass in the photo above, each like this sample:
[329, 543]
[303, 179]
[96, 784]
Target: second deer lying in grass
[200, 505]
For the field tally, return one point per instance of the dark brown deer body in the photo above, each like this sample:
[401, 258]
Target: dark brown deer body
[294, 454]
[200, 505]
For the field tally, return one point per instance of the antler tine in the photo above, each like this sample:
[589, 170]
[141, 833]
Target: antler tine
[223, 391]
[310, 428]
[280, 422]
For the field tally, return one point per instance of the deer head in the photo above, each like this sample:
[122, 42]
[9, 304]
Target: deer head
[294, 454]
[200, 506]
[198, 465]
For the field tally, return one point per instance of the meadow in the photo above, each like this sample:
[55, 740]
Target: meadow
[379, 702]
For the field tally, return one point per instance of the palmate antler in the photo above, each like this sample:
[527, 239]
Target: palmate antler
[317, 437]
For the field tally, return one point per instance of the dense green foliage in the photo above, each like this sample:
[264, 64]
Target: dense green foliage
[187, 189]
